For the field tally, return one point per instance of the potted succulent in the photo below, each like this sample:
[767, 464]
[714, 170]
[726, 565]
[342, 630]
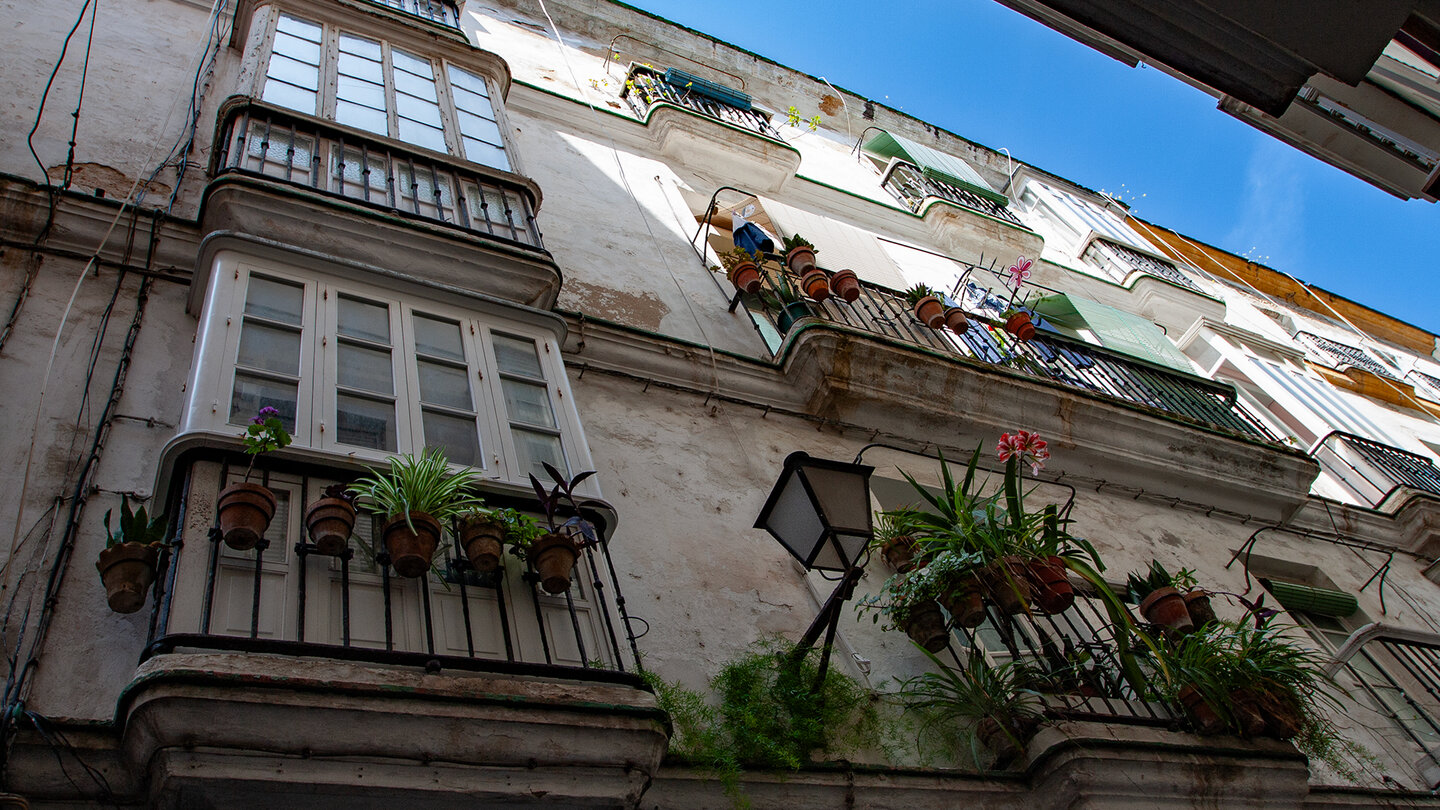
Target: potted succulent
[1160, 602]
[895, 538]
[988, 704]
[925, 303]
[414, 496]
[846, 285]
[330, 519]
[127, 563]
[743, 269]
[786, 302]
[553, 553]
[244, 509]
[907, 601]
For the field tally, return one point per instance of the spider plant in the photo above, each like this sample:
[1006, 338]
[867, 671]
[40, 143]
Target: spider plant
[421, 483]
[982, 700]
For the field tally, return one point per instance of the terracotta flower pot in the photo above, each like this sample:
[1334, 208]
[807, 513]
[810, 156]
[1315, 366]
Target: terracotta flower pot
[1283, 719]
[481, 538]
[816, 284]
[411, 549]
[1003, 742]
[244, 511]
[900, 554]
[846, 285]
[553, 558]
[801, 260]
[966, 604]
[1245, 705]
[1020, 326]
[127, 570]
[926, 625]
[1165, 607]
[930, 311]
[746, 277]
[1197, 604]
[329, 522]
[1204, 717]
[1052, 588]
[1007, 584]
[956, 321]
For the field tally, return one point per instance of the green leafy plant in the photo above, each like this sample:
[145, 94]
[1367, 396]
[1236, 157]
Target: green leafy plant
[264, 433]
[915, 293]
[794, 119]
[421, 483]
[134, 527]
[961, 701]
[521, 530]
[793, 241]
[1141, 585]
[900, 598]
[737, 256]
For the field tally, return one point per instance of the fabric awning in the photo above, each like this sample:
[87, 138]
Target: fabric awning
[1320, 601]
[1117, 329]
[934, 163]
[837, 246]
[723, 93]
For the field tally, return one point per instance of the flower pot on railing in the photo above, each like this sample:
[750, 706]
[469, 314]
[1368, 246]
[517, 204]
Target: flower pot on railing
[127, 571]
[1052, 590]
[1007, 583]
[926, 625]
[846, 285]
[816, 284]
[800, 260]
[901, 553]
[1202, 715]
[965, 603]
[329, 522]
[244, 511]
[553, 558]
[930, 311]
[956, 321]
[745, 276]
[411, 543]
[481, 537]
[1165, 607]
[1020, 325]
[789, 314]
[1249, 717]
[1197, 604]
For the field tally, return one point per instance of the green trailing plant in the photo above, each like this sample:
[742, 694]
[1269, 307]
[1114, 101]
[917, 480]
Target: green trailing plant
[900, 598]
[1184, 580]
[520, 529]
[134, 527]
[770, 711]
[421, 483]
[736, 256]
[892, 525]
[794, 119]
[958, 702]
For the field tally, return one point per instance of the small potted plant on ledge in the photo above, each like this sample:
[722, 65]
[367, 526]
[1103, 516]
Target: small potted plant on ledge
[925, 303]
[799, 254]
[1018, 323]
[743, 269]
[330, 519]
[244, 509]
[985, 703]
[907, 601]
[846, 285]
[415, 496]
[895, 538]
[127, 563]
[552, 555]
[1160, 602]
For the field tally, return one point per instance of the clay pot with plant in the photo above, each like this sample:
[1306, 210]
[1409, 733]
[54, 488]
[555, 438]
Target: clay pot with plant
[926, 305]
[1160, 601]
[330, 520]
[956, 320]
[132, 551]
[800, 256]
[988, 703]
[895, 532]
[415, 496]
[846, 285]
[244, 510]
[553, 553]
[1019, 324]
[742, 268]
[908, 602]
[960, 590]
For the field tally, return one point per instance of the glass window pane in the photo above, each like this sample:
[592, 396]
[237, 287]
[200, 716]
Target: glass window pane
[293, 71]
[300, 28]
[274, 300]
[528, 403]
[534, 448]
[473, 103]
[357, 182]
[269, 349]
[458, 435]
[422, 135]
[438, 338]
[517, 356]
[422, 87]
[412, 64]
[486, 155]
[360, 91]
[445, 385]
[365, 422]
[469, 81]
[417, 109]
[362, 117]
[288, 96]
[476, 127]
[367, 48]
[364, 319]
[365, 369]
[301, 50]
[253, 393]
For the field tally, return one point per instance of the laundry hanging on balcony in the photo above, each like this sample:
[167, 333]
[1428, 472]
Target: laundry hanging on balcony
[934, 164]
[750, 236]
[1117, 329]
[838, 246]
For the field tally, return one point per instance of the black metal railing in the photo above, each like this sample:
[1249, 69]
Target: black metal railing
[437, 11]
[1395, 673]
[1376, 469]
[913, 187]
[644, 88]
[267, 141]
[285, 597]
[1338, 355]
[1047, 356]
[1120, 261]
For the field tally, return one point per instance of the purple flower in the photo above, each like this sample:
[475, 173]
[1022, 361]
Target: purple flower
[265, 413]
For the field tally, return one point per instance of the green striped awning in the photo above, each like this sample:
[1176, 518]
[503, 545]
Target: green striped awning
[1320, 601]
[1117, 329]
[936, 164]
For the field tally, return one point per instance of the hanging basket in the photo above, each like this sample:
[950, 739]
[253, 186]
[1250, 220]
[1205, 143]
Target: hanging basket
[930, 311]
[926, 625]
[816, 284]
[481, 538]
[1165, 607]
[553, 558]
[127, 570]
[1020, 326]
[956, 321]
[329, 522]
[746, 277]
[800, 260]
[244, 511]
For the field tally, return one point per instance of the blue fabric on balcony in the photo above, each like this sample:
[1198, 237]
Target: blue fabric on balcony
[750, 237]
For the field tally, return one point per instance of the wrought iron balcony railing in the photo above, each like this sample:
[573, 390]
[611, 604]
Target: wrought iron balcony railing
[1120, 261]
[645, 88]
[1394, 674]
[437, 11]
[1374, 469]
[286, 597]
[1048, 356]
[1339, 355]
[913, 187]
[267, 141]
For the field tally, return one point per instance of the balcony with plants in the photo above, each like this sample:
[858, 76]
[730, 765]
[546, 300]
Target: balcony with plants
[914, 188]
[647, 87]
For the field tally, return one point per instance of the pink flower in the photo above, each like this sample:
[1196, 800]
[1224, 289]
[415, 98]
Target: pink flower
[1019, 271]
[1025, 446]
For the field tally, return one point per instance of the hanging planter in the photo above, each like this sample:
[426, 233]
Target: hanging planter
[552, 555]
[1020, 326]
[244, 511]
[1006, 583]
[411, 540]
[846, 285]
[330, 520]
[416, 494]
[1249, 718]
[799, 254]
[743, 269]
[1283, 718]
[789, 314]
[1051, 587]
[966, 604]
[1197, 604]
[926, 306]
[127, 563]
[816, 284]
[482, 535]
[1202, 715]
[956, 321]
[1165, 607]
[926, 625]
[900, 553]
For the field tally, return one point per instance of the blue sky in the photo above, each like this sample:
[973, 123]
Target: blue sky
[998, 78]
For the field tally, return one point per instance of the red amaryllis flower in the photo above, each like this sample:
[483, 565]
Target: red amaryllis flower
[1026, 446]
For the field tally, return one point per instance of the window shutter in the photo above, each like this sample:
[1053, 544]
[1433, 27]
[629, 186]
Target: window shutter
[1320, 601]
